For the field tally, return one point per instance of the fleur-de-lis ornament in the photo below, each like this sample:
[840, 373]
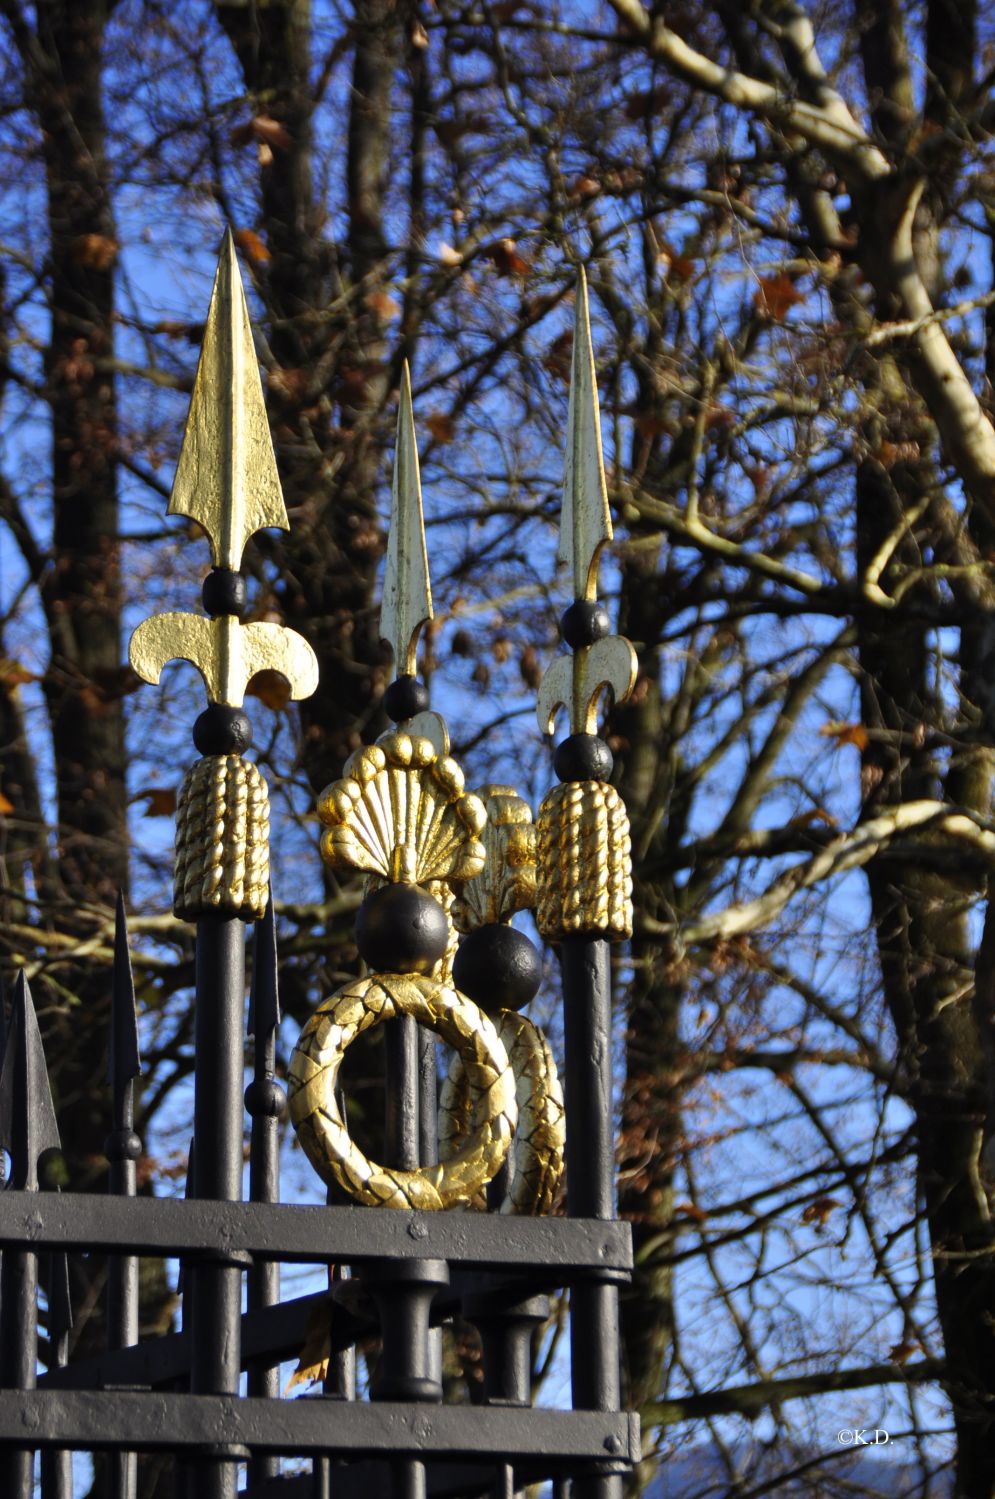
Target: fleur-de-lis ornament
[227, 481]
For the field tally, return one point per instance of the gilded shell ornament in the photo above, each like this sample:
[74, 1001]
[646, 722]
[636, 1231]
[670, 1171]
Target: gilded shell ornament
[401, 812]
[508, 881]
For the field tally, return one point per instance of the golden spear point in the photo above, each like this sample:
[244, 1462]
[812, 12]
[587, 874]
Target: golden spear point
[407, 593]
[226, 477]
[608, 664]
[585, 522]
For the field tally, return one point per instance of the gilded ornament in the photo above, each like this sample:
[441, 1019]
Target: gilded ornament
[222, 841]
[540, 1136]
[226, 477]
[226, 480]
[401, 812]
[321, 1129]
[576, 682]
[508, 881]
[584, 862]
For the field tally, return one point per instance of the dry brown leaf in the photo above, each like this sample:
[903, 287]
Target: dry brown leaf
[161, 801]
[776, 295]
[252, 247]
[504, 256]
[530, 667]
[558, 357]
[900, 1353]
[272, 689]
[584, 187]
[6, 805]
[681, 265]
[441, 426]
[312, 1365]
[418, 36]
[447, 255]
[97, 252]
[818, 1211]
[265, 128]
[890, 453]
[383, 304]
[12, 673]
[846, 733]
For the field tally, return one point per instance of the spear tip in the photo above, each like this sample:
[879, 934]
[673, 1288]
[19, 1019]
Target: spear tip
[585, 524]
[28, 1126]
[407, 592]
[124, 1061]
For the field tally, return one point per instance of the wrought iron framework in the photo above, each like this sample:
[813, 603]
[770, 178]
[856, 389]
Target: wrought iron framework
[457, 1218]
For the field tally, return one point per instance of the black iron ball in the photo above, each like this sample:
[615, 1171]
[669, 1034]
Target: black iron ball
[265, 1099]
[584, 622]
[221, 730]
[583, 757]
[404, 698]
[401, 929]
[498, 968]
[224, 592]
[122, 1145]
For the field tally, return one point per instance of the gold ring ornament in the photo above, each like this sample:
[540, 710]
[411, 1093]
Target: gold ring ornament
[541, 1133]
[321, 1129]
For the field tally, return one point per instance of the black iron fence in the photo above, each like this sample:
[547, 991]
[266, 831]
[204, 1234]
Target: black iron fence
[457, 1219]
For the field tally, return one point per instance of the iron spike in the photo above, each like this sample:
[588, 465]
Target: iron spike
[264, 992]
[124, 1062]
[407, 592]
[226, 478]
[585, 522]
[27, 1113]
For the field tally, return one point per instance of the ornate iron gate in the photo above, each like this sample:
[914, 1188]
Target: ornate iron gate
[445, 870]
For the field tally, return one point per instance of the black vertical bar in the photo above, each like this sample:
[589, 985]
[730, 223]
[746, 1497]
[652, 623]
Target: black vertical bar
[27, 1130]
[57, 1464]
[594, 1332]
[401, 1148]
[428, 1154]
[218, 1130]
[18, 1344]
[264, 1100]
[123, 1147]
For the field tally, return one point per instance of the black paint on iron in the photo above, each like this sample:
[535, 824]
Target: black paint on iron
[265, 1102]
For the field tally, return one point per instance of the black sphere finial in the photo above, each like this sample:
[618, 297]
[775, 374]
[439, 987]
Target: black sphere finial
[405, 697]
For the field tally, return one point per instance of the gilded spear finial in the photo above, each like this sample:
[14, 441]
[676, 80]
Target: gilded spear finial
[226, 478]
[600, 660]
[583, 854]
[227, 481]
[407, 592]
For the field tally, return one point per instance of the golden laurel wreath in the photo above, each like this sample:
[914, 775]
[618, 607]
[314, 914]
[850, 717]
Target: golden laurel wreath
[541, 1133]
[321, 1129]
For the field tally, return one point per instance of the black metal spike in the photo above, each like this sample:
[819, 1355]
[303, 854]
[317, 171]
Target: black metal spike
[264, 994]
[27, 1113]
[124, 1063]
